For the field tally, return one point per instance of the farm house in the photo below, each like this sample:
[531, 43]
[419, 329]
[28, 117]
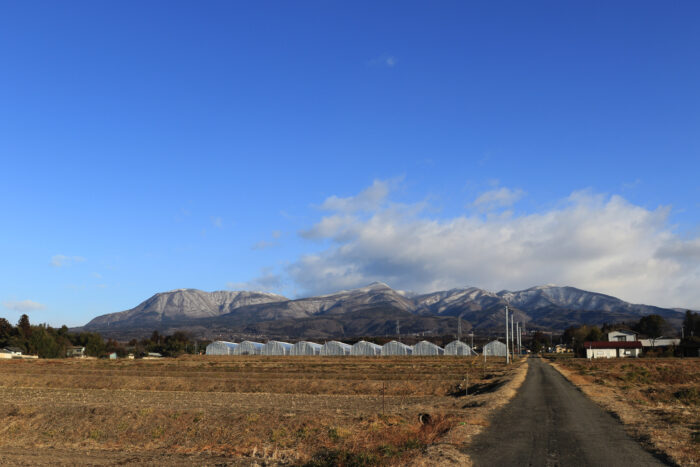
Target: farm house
[305, 348]
[458, 348]
[495, 349]
[396, 348]
[249, 348]
[276, 348]
[366, 348]
[335, 348]
[427, 348]
[221, 348]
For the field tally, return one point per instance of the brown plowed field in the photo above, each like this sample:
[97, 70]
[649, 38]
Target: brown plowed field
[236, 410]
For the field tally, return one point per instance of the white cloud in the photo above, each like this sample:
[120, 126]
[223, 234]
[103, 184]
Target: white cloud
[368, 199]
[23, 306]
[59, 261]
[592, 241]
[385, 60]
[217, 222]
[498, 198]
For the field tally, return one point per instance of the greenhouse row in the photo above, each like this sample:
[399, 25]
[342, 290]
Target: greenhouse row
[393, 348]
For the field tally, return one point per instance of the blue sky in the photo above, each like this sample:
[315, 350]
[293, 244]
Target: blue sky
[300, 147]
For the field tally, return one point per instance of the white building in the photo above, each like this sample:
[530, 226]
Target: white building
[221, 348]
[622, 335]
[366, 348]
[458, 348]
[335, 348]
[395, 348]
[249, 348]
[425, 348]
[660, 342]
[495, 349]
[276, 348]
[306, 348]
[619, 349]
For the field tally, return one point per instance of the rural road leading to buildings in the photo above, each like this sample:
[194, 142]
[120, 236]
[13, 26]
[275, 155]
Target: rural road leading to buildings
[550, 423]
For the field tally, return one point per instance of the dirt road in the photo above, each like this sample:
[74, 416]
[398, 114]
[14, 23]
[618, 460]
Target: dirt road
[551, 423]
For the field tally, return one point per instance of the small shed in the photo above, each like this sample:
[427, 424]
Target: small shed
[618, 349]
[276, 348]
[495, 349]
[221, 348]
[366, 349]
[306, 348]
[335, 348]
[425, 348]
[76, 351]
[396, 348]
[249, 348]
[459, 348]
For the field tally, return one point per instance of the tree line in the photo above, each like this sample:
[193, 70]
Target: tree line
[49, 342]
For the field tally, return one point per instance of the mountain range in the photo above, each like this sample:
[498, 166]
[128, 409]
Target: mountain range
[374, 310]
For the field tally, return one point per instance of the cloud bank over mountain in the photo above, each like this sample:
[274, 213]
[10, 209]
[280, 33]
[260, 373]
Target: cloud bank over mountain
[588, 240]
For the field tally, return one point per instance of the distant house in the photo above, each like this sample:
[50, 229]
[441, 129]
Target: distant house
[618, 349]
[11, 352]
[559, 348]
[152, 356]
[660, 342]
[622, 335]
[77, 352]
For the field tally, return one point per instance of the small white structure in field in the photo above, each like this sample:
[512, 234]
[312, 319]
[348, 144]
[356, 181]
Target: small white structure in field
[459, 348]
[221, 348]
[618, 349]
[366, 348]
[425, 348]
[306, 348]
[396, 348]
[276, 348]
[495, 349]
[335, 348]
[249, 348]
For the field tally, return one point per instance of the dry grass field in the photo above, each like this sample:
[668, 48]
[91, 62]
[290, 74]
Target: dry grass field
[244, 410]
[657, 399]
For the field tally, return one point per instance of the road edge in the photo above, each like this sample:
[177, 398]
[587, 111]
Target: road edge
[612, 402]
[451, 450]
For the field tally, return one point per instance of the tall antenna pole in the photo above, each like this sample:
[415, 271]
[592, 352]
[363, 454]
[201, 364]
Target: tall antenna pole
[507, 351]
[459, 328]
[398, 330]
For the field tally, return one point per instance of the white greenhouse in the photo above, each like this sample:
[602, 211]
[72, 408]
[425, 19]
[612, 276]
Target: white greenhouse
[335, 348]
[458, 348]
[495, 349]
[424, 348]
[249, 348]
[396, 348]
[366, 348]
[276, 348]
[305, 348]
[221, 348]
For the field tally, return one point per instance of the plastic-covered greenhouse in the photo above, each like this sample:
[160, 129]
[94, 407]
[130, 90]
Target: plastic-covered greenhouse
[335, 348]
[305, 348]
[276, 348]
[366, 348]
[458, 348]
[427, 348]
[221, 348]
[249, 348]
[495, 349]
[396, 348]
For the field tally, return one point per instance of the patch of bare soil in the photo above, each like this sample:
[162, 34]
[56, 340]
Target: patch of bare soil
[658, 400]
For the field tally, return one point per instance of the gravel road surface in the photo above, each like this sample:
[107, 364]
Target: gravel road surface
[551, 423]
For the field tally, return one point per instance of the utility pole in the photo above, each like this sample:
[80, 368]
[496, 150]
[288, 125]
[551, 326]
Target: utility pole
[398, 331]
[512, 333]
[472, 335]
[507, 350]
